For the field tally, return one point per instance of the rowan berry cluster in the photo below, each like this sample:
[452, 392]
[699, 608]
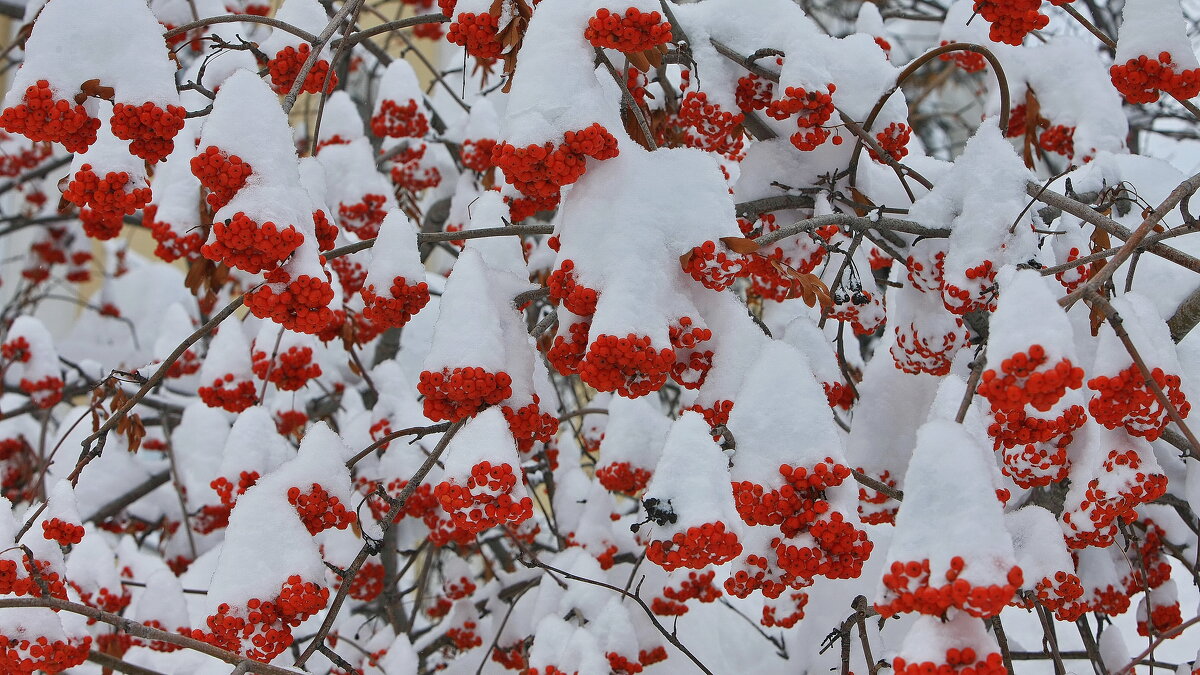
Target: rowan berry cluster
[262, 629]
[910, 588]
[229, 393]
[222, 174]
[812, 109]
[289, 370]
[530, 425]
[695, 548]
[540, 171]
[1012, 20]
[23, 580]
[171, 245]
[630, 366]
[351, 274]
[565, 288]
[459, 393]
[893, 140]
[632, 32]
[109, 198]
[972, 62]
[319, 510]
[834, 549]
[149, 129]
[399, 121]
[247, 245]
[1023, 380]
[797, 504]
[929, 352]
[958, 661]
[66, 534]
[979, 278]
[42, 117]
[706, 126]
[476, 153]
[1093, 522]
[300, 305]
[754, 92]
[479, 34]
[872, 505]
[715, 269]
[1140, 80]
[104, 599]
[408, 172]
[395, 311]
[42, 655]
[1059, 139]
[622, 477]
[45, 392]
[285, 67]
[485, 500]
[363, 218]
[1124, 400]
[18, 159]
[1162, 617]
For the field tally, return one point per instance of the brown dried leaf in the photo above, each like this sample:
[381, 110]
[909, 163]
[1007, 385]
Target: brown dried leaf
[684, 260]
[93, 89]
[638, 60]
[740, 244]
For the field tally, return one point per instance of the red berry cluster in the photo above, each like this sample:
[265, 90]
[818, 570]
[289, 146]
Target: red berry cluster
[459, 393]
[566, 353]
[23, 582]
[351, 275]
[910, 589]
[630, 366]
[225, 392]
[464, 638]
[931, 353]
[155, 645]
[872, 505]
[301, 305]
[1024, 381]
[834, 549]
[45, 392]
[485, 501]
[363, 218]
[227, 492]
[694, 587]
[715, 269]
[706, 126]
[623, 478]
[478, 33]
[1162, 617]
[286, 65]
[530, 425]
[420, 503]
[399, 121]
[249, 246]
[971, 62]
[18, 159]
[1100, 508]
[149, 128]
[1060, 594]
[715, 415]
[1011, 20]
[958, 662]
[62, 532]
[476, 153]
[812, 109]
[171, 246]
[104, 599]
[24, 655]
[512, 658]
[696, 548]
[1058, 139]
[754, 92]
[266, 625]
[319, 510]
[326, 231]
[960, 300]
[1140, 80]
[16, 350]
[540, 171]
[630, 33]
[1154, 567]
[1124, 400]
[222, 174]
[408, 172]
[795, 506]
[40, 117]
[926, 273]
[109, 198]
[395, 311]
[289, 370]
[692, 362]
[621, 665]
[565, 288]
[893, 140]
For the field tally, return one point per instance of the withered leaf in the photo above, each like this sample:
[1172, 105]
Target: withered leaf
[93, 89]
[740, 244]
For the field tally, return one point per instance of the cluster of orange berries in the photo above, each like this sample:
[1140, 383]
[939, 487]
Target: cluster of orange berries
[1035, 463]
[408, 172]
[227, 492]
[66, 534]
[351, 275]
[250, 246]
[630, 366]
[290, 370]
[41, 117]
[222, 174]
[754, 92]
[405, 301]
[931, 353]
[621, 665]
[1140, 80]
[104, 599]
[12, 163]
[694, 587]
[229, 393]
[399, 121]
[148, 128]
[770, 619]
[285, 68]
[13, 582]
[893, 140]
[529, 424]
[1162, 617]
[1060, 595]
[326, 231]
[512, 657]
[1058, 139]
[960, 300]
[1012, 20]
[715, 269]
[797, 504]
[363, 218]
[464, 638]
[319, 510]
[540, 171]
[695, 548]
[565, 288]
[1102, 508]
[566, 353]
[486, 499]
[706, 126]
[51, 249]
[1023, 381]
[812, 109]
[302, 305]
[16, 350]
[459, 393]
[927, 273]
[267, 624]
[155, 645]
[972, 62]
[1124, 400]
[109, 199]
[44, 392]
[838, 551]
[871, 504]
[42, 655]
[476, 153]
[1073, 277]
[478, 33]
[171, 246]
[622, 477]
[910, 589]
[958, 662]
[691, 362]
[419, 503]
[630, 33]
